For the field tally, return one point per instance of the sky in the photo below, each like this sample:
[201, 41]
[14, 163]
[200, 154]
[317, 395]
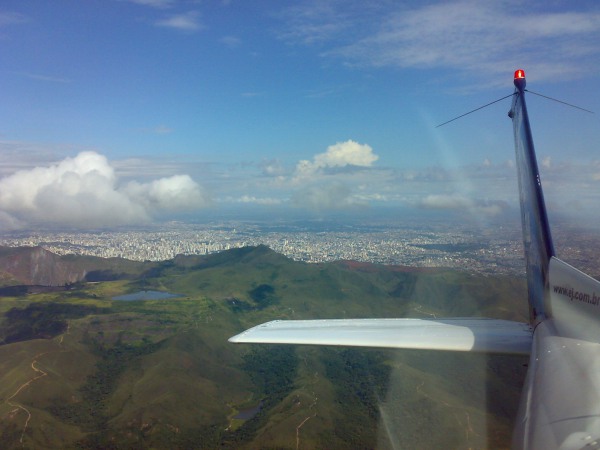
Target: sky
[129, 112]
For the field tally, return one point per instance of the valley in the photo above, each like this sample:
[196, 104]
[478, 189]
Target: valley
[79, 369]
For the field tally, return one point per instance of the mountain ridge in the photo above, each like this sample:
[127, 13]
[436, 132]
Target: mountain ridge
[37, 266]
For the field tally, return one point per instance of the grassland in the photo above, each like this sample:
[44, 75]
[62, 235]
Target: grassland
[88, 372]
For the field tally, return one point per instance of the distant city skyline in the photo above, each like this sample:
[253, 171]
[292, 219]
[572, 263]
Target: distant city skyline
[464, 247]
[126, 112]
[425, 241]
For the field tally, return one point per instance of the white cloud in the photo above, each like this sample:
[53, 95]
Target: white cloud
[9, 223]
[52, 79]
[375, 196]
[458, 202]
[154, 3]
[162, 129]
[471, 36]
[174, 194]
[21, 190]
[231, 41]
[342, 154]
[134, 168]
[272, 168]
[326, 197]
[188, 22]
[16, 155]
[258, 200]
[547, 162]
[12, 18]
[313, 22]
[83, 192]
[445, 201]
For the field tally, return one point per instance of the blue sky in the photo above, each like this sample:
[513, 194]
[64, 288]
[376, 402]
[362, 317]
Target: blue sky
[120, 112]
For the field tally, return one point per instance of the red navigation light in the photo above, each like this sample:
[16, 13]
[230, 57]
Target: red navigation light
[519, 74]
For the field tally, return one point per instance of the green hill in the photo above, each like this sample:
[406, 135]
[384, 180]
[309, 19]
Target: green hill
[100, 373]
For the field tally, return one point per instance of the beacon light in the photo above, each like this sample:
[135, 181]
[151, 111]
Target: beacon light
[519, 80]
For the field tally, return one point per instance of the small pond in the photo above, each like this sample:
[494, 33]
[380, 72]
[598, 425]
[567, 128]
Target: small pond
[249, 413]
[146, 295]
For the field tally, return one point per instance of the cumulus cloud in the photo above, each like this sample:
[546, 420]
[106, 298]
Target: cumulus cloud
[83, 192]
[457, 202]
[174, 194]
[341, 154]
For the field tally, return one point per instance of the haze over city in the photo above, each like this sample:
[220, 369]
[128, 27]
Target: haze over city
[128, 112]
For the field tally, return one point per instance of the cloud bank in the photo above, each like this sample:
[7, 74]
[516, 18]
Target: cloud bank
[84, 192]
[461, 203]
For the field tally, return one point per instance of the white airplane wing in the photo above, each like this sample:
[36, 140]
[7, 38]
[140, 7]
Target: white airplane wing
[458, 334]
